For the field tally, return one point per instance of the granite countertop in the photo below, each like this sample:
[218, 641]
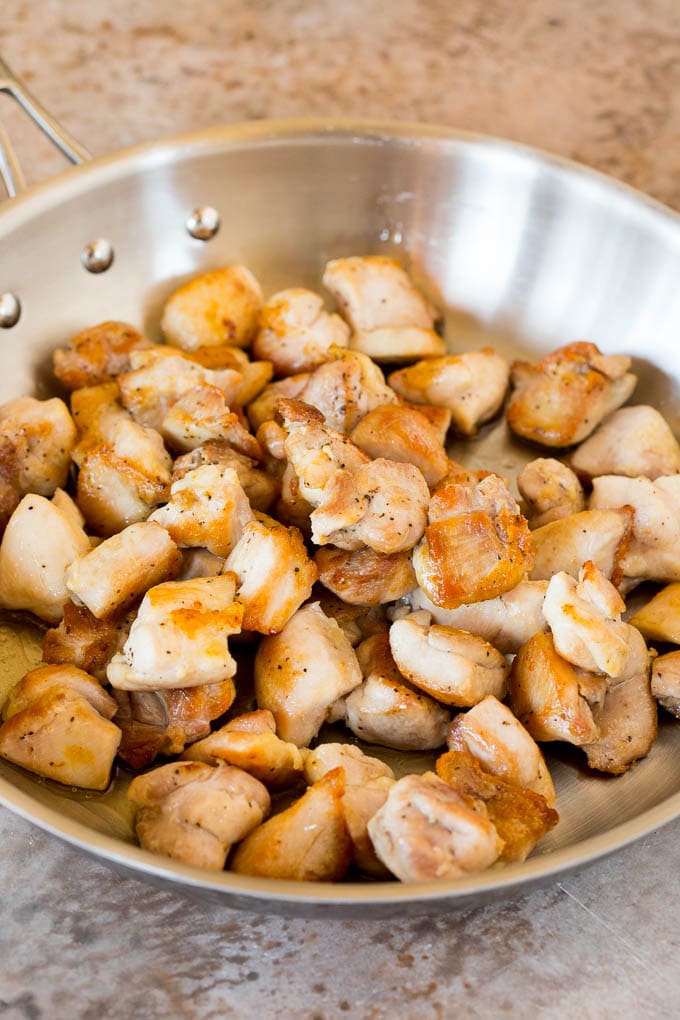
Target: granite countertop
[596, 80]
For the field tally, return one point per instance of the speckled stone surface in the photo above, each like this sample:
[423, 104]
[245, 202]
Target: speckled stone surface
[597, 80]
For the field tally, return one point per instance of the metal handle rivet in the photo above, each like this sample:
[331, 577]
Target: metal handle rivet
[10, 310]
[97, 256]
[203, 223]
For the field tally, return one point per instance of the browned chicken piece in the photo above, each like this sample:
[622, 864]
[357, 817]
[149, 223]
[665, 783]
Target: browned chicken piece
[552, 698]
[521, 816]
[659, 619]
[390, 318]
[215, 308]
[199, 563]
[471, 385]
[502, 746]
[364, 577]
[427, 830]
[122, 568]
[195, 812]
[42, 435]
[601, 536]
[180, 636]
[84, 641]
[49, 677]
[201, 415]
[263, 408]
[507, 621]
[477, 545]
[308, 842]
[97, 354]
[254, 375]
[250, 742]
[275, 574]
[346, 388]
[207, 508]
[403, 434]
[164, 722]
[356, 622]
[453, 666]
[40, 541]
[666, 682]
[550, 490]
[633, 441]
[386, 709]
[260, 488]
[95, 410]
[315, 451]
[301, 672]
[296, 332]
[564, 397]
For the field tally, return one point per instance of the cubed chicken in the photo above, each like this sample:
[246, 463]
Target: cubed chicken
[42, 435]
[253, 376]
[346, 388]
[364, 577]
[201, 415]
[666, 682]
[659, 619]
[260, 488]
[84, 641]
[550, 490]
[49, 677]
[633, 441]
[601, 536]
[296, 332]
[401, 433]
[97, 354]
[263, 408]
[215, 308]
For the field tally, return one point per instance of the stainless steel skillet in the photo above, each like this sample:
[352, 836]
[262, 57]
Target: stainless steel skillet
[524, 251]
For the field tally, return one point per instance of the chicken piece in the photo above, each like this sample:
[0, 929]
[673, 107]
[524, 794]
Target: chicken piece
[10, 489]
[364, 577]
[654, 548]
[301, 672]
[346, 388]
[471, 385]
[275, 574]
[195, 812]
[308, 842]
[502, 746]
[119, 570]
[564, 397]
[390, 318]
[84, 641]
[315, 451]
[633, 441]
[399, 433]
[520, 816]
[507, 621]
[356, 622]
[95, 410]
[259, 487]
[296, 332]
[202, 414]
[659, 619]
[48, 677]
[179, 637]
[666, 682]
[477, 545]
[253, 376]
[164, 722]
[250, 742]
[601, 536]
[438, 417]
[207, 508]
[427, 830]
[219, 307]
[550, 490]
[386, 709]
[39, 543]
[551, 697]
[42, 434]
[451, 665]
[263, 408]
[97, 354]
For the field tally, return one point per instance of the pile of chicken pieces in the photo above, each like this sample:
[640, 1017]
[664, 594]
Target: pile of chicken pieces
[257, 485]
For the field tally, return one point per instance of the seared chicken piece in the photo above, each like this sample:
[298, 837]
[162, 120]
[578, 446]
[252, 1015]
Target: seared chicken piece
[97, 354]
[194, 812]
[207, 508]
[95, 410]
[477, 544]
[179, 638]
[259, 487]
[51, 677]
[84, 641]
[659, 619]
[308, 842]
[453, 666]
[521, 816]
[386, 709]
[502, 746]
[164, 722]
[39, 543]
[122, 568]
[346, 389]
[263, 408]
[250, 742]
[315, 451]
[390, 318]
[507, 621]
[296, 331]
[301, 672]
[275, 574]
[564, 397]
[42, 434]
[403, 434]
[472, 386]
[601, 536]
[427, 830]
[550, 490]
[219, 307]
[364, 577]
[201, 415]
[253, 376]
[633, 441]
[666, 682]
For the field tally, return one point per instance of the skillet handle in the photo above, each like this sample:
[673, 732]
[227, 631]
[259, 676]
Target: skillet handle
[10, 171]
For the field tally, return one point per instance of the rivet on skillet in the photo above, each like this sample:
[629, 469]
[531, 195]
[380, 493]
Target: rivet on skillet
[97, 256]
[10, 310]
[203, 223]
